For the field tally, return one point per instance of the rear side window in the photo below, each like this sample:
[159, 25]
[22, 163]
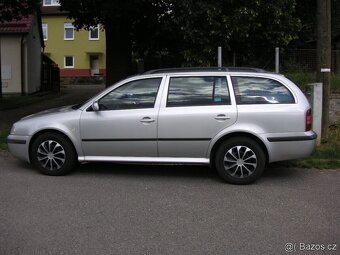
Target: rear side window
[198, 91]
[254, 90]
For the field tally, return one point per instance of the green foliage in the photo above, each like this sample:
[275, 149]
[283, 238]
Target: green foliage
[250, 28]
[187, 32]
[17, 9]
[3, 135]
[303, 78]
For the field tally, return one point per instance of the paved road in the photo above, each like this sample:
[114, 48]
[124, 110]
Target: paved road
[119, 209]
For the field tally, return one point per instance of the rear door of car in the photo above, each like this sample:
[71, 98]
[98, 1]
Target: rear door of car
[194, 109]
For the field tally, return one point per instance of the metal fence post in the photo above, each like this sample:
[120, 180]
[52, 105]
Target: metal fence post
[219, 56]
[277, 60]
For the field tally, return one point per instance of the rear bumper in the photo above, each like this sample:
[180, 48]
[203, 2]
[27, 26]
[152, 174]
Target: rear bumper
[291, 146]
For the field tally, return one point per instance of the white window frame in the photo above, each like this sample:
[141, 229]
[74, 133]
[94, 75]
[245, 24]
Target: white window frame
[53, 3]
[45, 31]
[94, 38]
[65, 66]
[68, 25]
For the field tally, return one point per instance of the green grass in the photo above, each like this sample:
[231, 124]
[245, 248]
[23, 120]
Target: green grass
[302, 79]
[3, 135]
[325, 156]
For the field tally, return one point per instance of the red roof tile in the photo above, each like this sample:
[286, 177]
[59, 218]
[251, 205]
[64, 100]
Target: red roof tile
[17, 26]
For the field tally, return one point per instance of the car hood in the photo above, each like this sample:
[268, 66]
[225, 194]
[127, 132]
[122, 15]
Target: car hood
[62, 109]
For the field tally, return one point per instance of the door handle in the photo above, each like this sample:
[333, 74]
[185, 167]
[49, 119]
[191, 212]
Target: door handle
[147, 120]
[222, 117]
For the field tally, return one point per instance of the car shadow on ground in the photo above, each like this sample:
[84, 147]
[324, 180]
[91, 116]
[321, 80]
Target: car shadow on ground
[97, 169]
[172, 171]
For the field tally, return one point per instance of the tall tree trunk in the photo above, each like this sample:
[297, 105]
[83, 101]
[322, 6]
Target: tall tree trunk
[118, 51]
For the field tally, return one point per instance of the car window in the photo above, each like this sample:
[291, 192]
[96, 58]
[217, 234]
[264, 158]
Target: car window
[255, 90]
[132, 95]
[198, 91]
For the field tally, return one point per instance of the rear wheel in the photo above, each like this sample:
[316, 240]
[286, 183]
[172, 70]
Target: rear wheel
[52, 154]
[240, 160]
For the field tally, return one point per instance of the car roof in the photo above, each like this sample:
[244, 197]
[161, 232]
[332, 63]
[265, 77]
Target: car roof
[206, 69]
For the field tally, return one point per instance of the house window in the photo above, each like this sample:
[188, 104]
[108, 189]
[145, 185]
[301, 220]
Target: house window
[94, 33]
[68, 31]
[45, 31]
[51, 3]
[69, 61]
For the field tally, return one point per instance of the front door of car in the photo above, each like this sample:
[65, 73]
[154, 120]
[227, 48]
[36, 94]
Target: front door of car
[125, 123]
[196, 109]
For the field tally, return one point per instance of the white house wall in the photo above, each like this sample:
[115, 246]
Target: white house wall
[11, 63]
[32, 61]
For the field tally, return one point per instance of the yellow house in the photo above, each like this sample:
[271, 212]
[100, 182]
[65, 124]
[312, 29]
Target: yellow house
[77, 53]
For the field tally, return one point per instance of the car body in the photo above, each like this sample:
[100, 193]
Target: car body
[234, 120]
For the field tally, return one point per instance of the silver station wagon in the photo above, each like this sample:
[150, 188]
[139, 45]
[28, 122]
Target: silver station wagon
[235, 120]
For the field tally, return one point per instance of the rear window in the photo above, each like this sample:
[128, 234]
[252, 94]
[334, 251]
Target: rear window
[255, 90]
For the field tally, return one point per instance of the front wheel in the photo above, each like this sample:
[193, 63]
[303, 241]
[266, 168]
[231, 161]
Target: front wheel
[240, 160]
[52, 154]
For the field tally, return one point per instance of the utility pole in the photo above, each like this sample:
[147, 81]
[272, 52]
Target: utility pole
[0, 71]
[324, 59]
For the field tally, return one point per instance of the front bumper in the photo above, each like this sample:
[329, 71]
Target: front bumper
[19, 146]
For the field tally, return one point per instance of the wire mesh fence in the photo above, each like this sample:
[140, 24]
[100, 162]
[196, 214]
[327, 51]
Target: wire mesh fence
[305, 60]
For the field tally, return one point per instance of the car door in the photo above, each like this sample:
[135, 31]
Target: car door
[125, 124]
[195, 110]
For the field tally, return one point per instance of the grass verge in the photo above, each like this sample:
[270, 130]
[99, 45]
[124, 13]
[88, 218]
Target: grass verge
[302, 79]
[325, 156]
[3, 135]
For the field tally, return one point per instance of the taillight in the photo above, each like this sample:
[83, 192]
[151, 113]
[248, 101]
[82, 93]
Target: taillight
[309, 120]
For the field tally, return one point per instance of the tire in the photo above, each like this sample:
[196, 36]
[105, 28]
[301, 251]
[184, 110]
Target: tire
[53, 154]
[240, 160]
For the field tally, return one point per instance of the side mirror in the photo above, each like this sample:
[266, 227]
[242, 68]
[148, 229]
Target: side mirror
[95, 106]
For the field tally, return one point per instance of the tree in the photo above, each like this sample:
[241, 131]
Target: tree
[187, 32]
[119, 19]
[17, 9]
[249, 28]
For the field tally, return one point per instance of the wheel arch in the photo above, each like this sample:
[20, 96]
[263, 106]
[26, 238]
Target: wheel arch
[232, 135]
[44, 131]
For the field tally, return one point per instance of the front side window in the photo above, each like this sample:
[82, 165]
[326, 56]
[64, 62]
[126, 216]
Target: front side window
[69, 62]
[94, 33]
[45, 31]
[198, 91]
[255, 90]
[132, 95]
[68, 31]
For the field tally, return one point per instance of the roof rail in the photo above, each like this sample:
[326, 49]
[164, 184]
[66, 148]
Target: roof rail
[206, 69]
